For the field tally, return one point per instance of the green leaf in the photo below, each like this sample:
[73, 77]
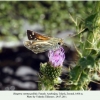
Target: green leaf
[84, 62]
[89, 21]
[94, 52]
[75, 73]
[91, 17]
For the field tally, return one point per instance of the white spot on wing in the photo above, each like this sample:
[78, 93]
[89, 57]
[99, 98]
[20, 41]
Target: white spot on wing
[32, 33]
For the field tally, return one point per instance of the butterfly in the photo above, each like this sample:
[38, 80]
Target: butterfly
[40, 43]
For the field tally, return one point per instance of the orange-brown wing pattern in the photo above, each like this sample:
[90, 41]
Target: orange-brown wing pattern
[34, 35]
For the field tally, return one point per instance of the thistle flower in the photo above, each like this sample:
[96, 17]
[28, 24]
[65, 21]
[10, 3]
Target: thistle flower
[56, 58]
[52, 69]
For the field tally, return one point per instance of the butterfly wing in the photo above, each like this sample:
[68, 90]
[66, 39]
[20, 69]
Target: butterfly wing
[38, 47]
[35, 36]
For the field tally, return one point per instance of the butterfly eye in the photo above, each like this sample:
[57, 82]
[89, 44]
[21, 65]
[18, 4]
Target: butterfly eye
[59, 43]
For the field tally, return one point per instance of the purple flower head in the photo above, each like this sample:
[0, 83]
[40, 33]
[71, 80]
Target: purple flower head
[56, 58]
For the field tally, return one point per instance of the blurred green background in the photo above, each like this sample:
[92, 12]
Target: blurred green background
[49, 16]
[18, 65]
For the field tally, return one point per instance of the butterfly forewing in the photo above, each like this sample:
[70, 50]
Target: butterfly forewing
[34, 35]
